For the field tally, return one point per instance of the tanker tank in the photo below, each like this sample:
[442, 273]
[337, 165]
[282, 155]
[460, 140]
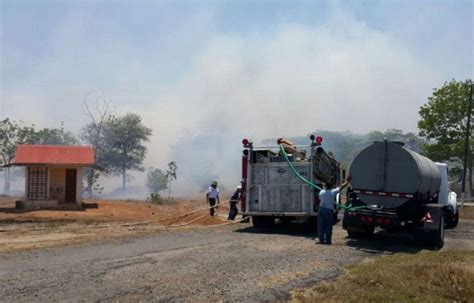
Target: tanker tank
[391, 175]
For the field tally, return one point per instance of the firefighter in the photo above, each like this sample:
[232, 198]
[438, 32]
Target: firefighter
[327, 198]
[212, 195]
[234, 199]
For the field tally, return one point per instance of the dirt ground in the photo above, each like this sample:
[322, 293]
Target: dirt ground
[99, 220]
[234, 263]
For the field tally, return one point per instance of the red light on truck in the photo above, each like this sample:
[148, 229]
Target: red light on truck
[245, 142]
[379, 220]
[319, 139]
[362, 218]
[370, 219]
[387, 221]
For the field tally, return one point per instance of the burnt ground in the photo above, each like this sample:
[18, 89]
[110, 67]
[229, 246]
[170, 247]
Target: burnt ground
[229, 263]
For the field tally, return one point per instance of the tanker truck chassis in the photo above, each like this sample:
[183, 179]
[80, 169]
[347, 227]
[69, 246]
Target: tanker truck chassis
[400, 189]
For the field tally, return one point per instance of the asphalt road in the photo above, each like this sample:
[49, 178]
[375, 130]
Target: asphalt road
[232, 263]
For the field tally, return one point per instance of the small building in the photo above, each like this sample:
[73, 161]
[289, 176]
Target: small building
[53, 174]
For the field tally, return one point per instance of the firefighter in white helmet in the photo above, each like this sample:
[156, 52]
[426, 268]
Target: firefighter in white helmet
[234, 199]
[212, 195]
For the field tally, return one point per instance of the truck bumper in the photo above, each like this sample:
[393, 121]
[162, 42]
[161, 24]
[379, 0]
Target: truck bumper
[280, 214]
[362, 218]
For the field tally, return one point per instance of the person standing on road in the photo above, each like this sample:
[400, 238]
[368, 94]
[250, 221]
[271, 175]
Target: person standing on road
[327, 198]
[212, 195]
[234, 199]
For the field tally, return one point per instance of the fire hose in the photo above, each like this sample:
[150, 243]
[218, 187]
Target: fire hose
[311, 184]
[131, 225]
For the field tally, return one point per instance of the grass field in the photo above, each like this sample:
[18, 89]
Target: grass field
[421, 277]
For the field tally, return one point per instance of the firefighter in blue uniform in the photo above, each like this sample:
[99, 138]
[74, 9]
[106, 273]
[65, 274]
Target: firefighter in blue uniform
[234, 199]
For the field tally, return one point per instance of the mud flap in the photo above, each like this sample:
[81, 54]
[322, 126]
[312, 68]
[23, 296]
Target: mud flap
[432, 218]
[433, 225]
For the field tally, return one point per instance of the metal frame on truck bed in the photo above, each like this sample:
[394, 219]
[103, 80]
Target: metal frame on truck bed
[273, 188]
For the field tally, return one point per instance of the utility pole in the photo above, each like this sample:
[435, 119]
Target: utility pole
[466, 146]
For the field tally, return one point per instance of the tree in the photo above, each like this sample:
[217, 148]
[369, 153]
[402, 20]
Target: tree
[13, 133]
[444, 119]
[156, 180]
[54, 136]
[170, 175]
[93, 134]
[124, 139]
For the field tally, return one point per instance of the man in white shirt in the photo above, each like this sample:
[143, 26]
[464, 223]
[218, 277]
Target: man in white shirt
[212, 195]
[327, 198]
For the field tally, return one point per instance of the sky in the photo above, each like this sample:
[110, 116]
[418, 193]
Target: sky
[231, 69]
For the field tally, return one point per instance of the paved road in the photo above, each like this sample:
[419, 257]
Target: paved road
[229, 263]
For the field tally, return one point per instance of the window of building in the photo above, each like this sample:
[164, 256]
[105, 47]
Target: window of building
[37, 183]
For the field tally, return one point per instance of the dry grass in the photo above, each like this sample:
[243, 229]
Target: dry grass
[423, 277]
[467, 213]
[101, 220]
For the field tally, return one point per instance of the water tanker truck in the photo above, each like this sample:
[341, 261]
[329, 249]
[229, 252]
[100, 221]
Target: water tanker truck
[400, 189]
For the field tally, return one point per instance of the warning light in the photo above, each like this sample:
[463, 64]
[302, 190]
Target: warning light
[312, 137]
[319, 139]
[245, 142]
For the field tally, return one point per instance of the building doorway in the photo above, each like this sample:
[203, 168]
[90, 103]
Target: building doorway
[71, 183]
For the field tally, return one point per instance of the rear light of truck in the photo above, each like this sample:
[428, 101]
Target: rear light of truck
[370, 219]
[363, 218]
[387, 221]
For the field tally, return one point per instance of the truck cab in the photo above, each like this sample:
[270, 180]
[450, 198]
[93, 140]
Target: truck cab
[447, 198]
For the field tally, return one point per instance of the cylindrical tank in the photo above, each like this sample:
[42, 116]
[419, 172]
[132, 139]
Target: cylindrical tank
[388, 167]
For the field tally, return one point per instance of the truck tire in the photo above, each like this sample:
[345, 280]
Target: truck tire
[438, 239]
[452, 220]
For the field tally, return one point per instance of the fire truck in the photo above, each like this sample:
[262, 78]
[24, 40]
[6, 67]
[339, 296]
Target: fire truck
[275, 180]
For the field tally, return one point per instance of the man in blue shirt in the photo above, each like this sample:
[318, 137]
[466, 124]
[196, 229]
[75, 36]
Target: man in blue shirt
[234, 199]
[327, 198]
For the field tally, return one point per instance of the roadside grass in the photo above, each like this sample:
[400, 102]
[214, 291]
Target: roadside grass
[467, 212]
[421, 277]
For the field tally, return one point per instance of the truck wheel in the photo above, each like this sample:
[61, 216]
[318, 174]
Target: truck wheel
[439, 234]
[452, 220]
[436, 237]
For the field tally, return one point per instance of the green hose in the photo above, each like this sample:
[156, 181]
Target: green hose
[311, 184]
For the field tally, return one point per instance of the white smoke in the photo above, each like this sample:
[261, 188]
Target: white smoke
[338, 75]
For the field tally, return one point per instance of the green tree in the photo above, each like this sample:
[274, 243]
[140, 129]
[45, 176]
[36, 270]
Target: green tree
[125, 150]
[13, 133]
[171, 175]
[444, 119]
[54, 136]
[156, 180]
[93, 134]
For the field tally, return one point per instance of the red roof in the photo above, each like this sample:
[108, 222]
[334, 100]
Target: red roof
[54, 154]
